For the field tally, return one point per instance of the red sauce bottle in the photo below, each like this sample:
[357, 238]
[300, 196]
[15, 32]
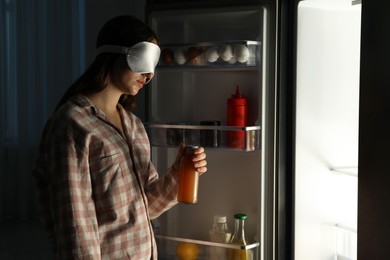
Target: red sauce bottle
[237, 111]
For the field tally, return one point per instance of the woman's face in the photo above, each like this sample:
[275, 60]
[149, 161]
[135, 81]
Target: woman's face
[128, 81]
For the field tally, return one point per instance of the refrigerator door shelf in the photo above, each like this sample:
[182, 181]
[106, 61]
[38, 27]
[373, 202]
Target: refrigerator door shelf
[211, 54]
[346, 241]
[167, 247]
[210, 136]
[350, 171]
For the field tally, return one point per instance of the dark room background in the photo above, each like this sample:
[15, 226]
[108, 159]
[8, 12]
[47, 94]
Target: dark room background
[44, 46]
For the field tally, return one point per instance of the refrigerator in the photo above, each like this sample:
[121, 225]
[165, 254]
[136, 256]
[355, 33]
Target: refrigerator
[294, 173]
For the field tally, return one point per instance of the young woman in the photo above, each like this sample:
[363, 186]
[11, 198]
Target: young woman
[97, 187]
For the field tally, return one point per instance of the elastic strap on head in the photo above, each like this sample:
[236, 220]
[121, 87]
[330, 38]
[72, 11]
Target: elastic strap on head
[111, 49]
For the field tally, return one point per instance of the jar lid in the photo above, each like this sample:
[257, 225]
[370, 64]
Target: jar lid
[240, 216]
[219, 219]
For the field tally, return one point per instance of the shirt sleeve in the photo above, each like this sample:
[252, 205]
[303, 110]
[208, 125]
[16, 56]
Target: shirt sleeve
[161, 191]
[71, 199]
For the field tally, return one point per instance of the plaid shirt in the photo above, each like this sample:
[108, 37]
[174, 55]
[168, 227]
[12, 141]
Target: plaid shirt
[97, 189]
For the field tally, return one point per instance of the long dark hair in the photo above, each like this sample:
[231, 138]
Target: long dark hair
[121, 31]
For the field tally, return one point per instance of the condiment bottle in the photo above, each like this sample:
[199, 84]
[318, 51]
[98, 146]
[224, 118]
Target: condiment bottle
[210, 138]
[238, 238]
[237, 111]
[188, 178]
[219, 233]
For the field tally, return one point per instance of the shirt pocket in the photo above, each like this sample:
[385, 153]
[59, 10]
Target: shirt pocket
[107, 184]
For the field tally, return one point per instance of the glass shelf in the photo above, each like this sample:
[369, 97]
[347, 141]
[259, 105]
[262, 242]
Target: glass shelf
[228, 54]
[209, 243]
[167, 246]
[210, 136]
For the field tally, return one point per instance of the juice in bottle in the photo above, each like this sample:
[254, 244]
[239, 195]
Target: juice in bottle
[188, 178]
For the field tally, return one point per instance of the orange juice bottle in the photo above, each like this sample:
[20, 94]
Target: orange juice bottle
[188, 178]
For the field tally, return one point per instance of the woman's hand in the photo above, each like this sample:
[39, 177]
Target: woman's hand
[199, 159]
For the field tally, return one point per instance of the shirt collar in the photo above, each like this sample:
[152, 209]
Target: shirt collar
[84, 102]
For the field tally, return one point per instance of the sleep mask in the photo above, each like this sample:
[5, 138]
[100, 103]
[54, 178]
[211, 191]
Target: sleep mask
[141, 57]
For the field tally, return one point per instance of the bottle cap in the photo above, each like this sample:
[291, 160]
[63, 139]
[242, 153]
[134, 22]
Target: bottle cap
[191, 147]
[219, 219]
[240, 216]
[237, 98]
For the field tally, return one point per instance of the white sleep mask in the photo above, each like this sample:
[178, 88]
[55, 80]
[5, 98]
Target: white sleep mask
[141, 57]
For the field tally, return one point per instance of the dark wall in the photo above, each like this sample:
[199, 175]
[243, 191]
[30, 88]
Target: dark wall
[374, 131]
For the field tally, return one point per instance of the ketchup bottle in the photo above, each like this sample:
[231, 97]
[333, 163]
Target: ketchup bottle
[237, 111]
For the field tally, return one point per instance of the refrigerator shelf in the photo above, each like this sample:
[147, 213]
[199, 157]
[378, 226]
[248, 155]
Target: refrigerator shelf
[352, 228]
[209, 136]
[203, 127]
[208, 243]
[227, 54]
[168, 247]
[346, 241]
[350, 171]
[207, 67]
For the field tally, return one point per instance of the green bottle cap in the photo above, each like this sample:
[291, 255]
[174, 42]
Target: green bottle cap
[240, 216]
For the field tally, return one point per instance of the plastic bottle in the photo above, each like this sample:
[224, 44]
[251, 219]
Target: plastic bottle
[188, 178]
[237, 111]
[219, 233]
[239, 238]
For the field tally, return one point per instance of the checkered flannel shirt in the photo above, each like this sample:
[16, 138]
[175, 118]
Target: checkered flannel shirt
[97, 189]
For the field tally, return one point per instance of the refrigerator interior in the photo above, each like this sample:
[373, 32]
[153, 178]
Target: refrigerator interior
[327, 106]
[190, 93]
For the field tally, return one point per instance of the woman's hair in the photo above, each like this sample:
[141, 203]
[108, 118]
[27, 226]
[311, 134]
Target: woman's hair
[122, 31]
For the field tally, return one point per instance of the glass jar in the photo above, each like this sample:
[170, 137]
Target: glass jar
[239, 238]
[188, 178]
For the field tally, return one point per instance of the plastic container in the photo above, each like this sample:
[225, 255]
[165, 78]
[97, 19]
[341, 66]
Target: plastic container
[188, 178]
[219, 233]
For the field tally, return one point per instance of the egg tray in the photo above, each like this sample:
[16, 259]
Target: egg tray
[237, 53]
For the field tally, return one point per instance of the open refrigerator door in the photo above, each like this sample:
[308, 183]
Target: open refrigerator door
[327, 124]
[206, 54]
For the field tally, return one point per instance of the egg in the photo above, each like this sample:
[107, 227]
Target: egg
[212, 54]
[180, 56]
[194, 55]
[167, 56]
[232, 60]
[193, 52]
[241, 52]
[226, 52]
